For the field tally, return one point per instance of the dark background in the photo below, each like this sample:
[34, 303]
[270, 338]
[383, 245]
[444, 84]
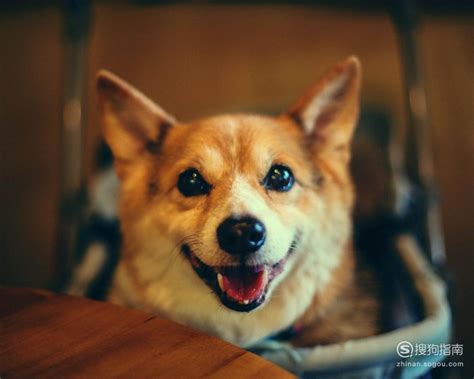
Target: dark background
[197, 60]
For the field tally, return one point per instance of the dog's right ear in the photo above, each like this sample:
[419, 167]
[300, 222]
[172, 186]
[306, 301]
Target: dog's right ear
[133, 125]
[328, 111]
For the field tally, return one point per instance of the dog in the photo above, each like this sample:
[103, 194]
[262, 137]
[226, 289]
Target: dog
[240, 225]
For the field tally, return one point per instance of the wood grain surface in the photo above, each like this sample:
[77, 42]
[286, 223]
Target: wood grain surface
[45, 335]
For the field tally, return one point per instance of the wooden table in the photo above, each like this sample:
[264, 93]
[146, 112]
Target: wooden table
[45, 335]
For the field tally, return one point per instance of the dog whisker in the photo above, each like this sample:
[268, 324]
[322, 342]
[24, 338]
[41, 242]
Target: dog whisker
[174, 254]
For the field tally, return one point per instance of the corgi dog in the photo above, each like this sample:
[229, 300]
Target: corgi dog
[240, 225]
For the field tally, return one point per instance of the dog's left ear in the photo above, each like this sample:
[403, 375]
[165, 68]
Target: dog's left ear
[133, 125]
[328, 112]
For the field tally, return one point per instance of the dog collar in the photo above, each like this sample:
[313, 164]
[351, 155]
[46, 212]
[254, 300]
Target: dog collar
[288, 333]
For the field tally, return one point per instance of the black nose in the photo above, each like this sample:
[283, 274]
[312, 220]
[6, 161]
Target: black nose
[241, 235]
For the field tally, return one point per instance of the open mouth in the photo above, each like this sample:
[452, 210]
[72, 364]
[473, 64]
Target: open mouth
[241, 288]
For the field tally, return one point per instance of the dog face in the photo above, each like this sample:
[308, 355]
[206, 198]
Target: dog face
[229, 218]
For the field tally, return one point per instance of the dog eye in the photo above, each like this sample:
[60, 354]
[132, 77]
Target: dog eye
[279, 178]
[191, 183]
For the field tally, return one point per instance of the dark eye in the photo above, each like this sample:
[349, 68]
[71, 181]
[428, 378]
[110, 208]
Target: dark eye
[191, 183]
[279, 178]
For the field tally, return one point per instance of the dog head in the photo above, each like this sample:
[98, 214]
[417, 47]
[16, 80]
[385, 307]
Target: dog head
[235, 213]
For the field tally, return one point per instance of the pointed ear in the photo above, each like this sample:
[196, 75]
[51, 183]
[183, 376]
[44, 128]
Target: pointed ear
[329, 110]
[133, 125]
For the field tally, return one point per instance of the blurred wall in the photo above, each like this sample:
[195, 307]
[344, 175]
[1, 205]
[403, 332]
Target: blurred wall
[199, 60]
[30, 105]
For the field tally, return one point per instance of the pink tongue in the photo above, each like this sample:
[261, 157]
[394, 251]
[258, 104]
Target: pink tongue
[244, 287]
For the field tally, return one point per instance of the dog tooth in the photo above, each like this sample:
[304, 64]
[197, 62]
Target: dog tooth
[220, 280]
[246, 302]
[265, 275]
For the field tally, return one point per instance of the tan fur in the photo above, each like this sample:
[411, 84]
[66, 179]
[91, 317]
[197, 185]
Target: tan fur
[349, 309]
[318, 287]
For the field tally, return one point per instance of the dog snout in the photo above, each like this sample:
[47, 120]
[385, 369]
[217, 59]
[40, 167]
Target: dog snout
[241, 236]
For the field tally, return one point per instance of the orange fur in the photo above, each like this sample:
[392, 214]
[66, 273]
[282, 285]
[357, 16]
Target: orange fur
[234, 153]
